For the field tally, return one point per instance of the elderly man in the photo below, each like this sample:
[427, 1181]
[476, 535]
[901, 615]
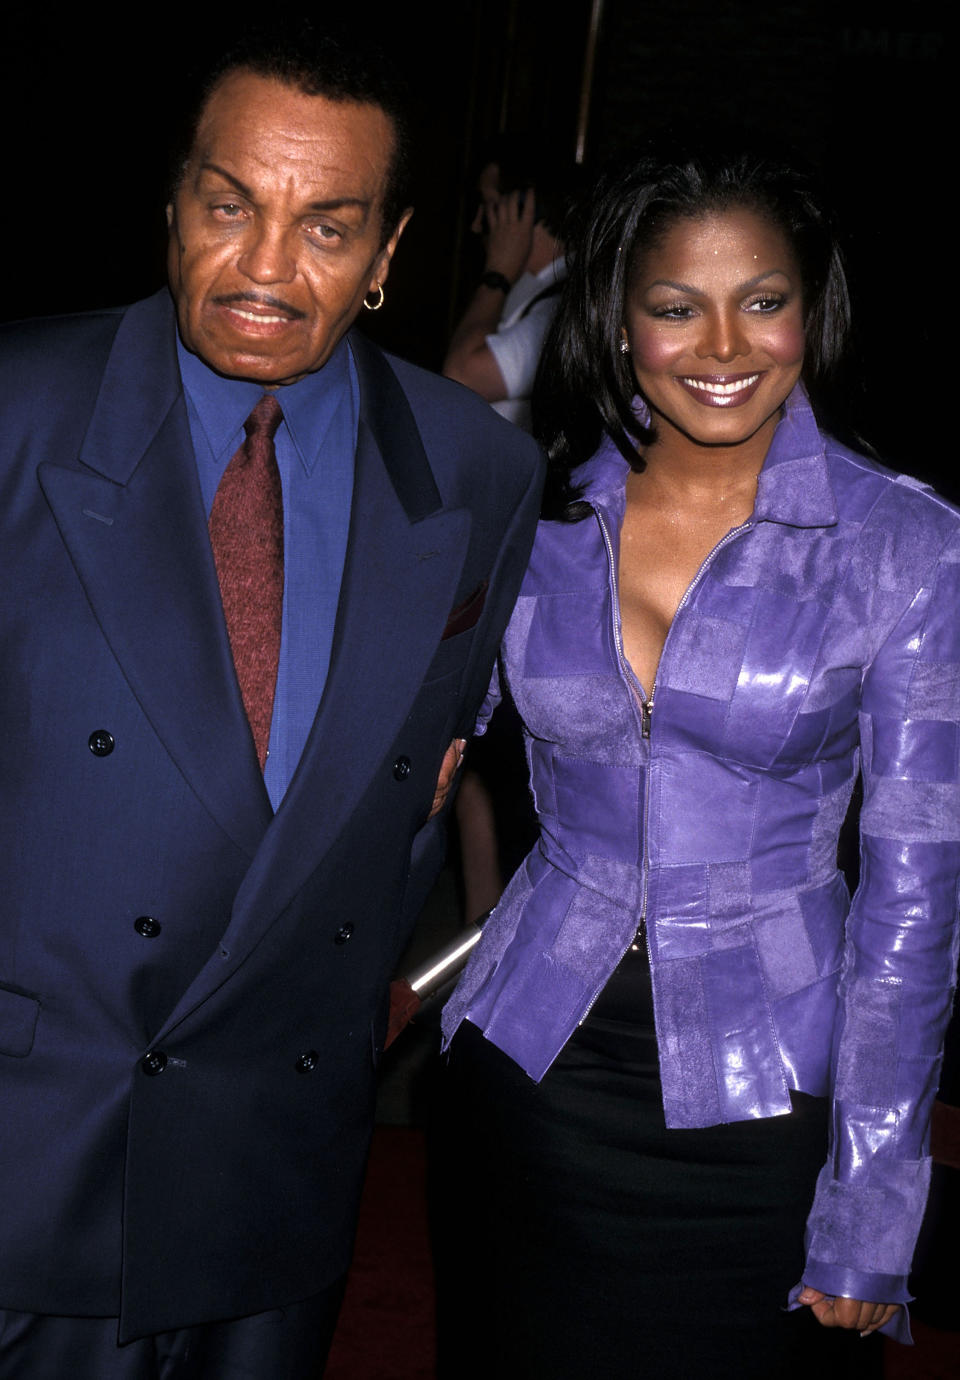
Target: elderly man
[254, 576]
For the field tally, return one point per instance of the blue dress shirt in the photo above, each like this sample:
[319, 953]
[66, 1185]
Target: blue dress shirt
[315, 445]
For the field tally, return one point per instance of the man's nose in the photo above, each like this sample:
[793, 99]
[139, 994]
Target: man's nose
[268, 255]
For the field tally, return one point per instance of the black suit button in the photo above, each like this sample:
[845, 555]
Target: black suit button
[343, 933]
[308, 1061]
[100, 742]
[402, 768]
[153, 1063]
[147, 926]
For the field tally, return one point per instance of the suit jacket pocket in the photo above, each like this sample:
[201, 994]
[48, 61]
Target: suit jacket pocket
[18, 1022]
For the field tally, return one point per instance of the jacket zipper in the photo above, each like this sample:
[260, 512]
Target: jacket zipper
[645, 704]
[646, 709]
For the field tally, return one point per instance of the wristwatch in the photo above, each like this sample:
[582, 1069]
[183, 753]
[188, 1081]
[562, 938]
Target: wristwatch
[493, 279]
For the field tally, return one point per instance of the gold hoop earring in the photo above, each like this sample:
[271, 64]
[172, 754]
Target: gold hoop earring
[375, 306]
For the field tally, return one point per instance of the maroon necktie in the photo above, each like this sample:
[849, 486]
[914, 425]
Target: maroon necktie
[246, 533]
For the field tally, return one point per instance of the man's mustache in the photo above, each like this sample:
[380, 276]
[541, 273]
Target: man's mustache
[260, 299]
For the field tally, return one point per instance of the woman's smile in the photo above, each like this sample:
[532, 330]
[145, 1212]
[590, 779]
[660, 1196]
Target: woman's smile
[721, 390]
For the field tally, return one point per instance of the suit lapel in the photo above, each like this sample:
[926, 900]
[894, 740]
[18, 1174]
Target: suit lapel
[404, 557]
[132, 518]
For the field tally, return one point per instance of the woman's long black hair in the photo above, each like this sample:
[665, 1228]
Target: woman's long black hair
[585, 383]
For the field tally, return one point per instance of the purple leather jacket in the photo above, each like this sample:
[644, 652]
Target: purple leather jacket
[820, 638]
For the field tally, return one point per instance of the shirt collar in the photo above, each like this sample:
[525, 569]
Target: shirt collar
[554, 272]
[794, 487]
[222, 405]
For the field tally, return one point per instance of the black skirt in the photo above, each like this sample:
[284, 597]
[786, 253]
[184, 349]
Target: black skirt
[578, 1237]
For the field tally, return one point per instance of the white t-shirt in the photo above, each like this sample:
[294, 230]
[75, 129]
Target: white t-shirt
[519, 338]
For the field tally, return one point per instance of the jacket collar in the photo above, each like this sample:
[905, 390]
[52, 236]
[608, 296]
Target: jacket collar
[140, 385]
[794, 486]
[388, 415]
[136, 396]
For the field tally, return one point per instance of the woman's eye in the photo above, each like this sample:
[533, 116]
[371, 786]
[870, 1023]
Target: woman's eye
[676, 311]
[765, 304]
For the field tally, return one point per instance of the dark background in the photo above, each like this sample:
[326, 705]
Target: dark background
[859, 89]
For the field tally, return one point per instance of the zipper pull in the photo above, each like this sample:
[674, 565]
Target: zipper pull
[640, 938]
[646, 713]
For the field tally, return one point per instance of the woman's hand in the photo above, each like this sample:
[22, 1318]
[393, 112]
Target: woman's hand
[448, 770]
[856, 1314]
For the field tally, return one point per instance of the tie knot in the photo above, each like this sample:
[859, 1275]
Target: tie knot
[265, 417]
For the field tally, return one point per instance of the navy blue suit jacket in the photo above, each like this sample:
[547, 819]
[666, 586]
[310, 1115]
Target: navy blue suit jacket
[191, 988]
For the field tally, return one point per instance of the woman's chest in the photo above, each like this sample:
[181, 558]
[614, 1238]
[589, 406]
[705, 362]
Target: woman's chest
[661, 551]
[761, 663]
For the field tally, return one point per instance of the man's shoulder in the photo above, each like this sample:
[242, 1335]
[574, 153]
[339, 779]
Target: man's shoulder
[55, 371]
[449, 414]
[84, 339]
[56, 338]
[55, 356]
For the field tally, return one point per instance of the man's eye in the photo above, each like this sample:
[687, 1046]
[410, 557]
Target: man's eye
[328, 233]
[228, 209]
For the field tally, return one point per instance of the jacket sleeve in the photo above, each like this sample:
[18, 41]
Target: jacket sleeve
[900, 955]
[513, 552]
[504, 587]
[490, 701]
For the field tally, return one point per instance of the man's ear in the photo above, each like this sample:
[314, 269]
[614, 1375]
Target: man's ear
[382, 266]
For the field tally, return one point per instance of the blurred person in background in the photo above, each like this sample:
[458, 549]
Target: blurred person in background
[522, 193]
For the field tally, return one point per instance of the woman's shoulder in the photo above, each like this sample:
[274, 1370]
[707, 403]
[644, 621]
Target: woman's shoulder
[886, 498]
[903, 536]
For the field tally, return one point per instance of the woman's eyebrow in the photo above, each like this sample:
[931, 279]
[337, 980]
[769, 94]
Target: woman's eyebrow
[741, 287]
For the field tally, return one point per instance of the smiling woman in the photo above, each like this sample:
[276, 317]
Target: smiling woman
[277, 226]
[680, 1045]
[714, 320]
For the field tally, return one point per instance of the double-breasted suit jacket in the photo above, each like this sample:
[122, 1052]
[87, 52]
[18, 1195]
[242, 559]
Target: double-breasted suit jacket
[192, 988]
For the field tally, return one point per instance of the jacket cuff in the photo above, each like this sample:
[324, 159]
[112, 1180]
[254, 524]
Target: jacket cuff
[841, 1282]
[838, 1282]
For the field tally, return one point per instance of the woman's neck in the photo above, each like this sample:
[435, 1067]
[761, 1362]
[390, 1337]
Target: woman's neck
[680, 472]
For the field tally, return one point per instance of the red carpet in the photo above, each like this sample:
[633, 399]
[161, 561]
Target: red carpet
[386, 1328]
